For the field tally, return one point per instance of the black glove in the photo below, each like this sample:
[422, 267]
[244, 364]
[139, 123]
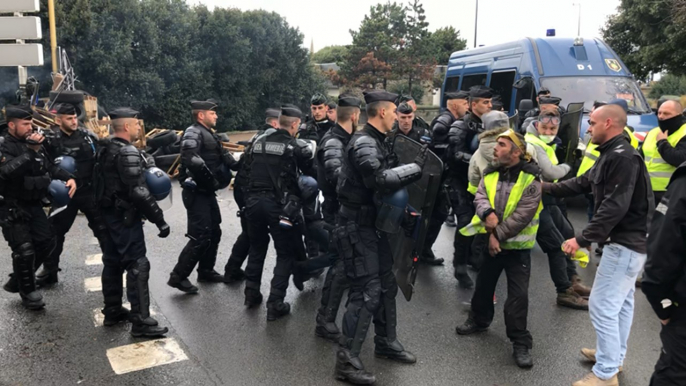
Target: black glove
[421, 157]
[164, 229]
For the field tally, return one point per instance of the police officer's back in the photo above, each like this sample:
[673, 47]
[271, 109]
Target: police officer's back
[273, 206]
[125, 201]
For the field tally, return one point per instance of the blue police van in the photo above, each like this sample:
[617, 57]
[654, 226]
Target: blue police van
[574, 69]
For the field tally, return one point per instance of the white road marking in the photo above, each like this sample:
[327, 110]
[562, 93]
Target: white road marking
[95, 259]
[94, 284]
[99, 318]
[144, 355]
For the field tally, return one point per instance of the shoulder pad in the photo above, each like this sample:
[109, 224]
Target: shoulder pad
[366, 155]
[445, 119]
[129, 150]
[332, 143]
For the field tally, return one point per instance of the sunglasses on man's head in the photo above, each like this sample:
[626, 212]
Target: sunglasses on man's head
[549, 119]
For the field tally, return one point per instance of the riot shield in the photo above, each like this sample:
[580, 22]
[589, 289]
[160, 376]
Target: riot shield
[570, 124]
[422, 195]
[514, 120]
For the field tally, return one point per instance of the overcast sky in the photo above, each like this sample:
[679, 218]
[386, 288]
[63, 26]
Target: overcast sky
[328, 22]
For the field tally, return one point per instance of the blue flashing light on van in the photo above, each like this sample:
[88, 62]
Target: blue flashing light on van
[573, 69]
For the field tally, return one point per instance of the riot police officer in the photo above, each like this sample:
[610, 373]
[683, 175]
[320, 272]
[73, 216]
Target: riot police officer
[26, 172]
[369, 172]
[319, 123]
[205, 168]
[417, 121]
[125, 201]
[241, 248]
[330, 159]
[71, 140]
[273, 208]
[406, 126]
[463, 143]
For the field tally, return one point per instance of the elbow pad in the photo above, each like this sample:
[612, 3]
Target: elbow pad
[12, 166]
[146, 204]
[394, 179]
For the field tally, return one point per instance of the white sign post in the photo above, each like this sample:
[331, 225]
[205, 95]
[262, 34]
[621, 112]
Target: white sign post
[14, 30]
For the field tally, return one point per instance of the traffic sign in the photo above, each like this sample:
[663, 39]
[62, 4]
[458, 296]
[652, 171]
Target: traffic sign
[12, 28]
[13, 55]
[11, 6]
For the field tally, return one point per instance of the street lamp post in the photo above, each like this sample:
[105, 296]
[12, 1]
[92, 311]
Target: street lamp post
[578, 28]
[476, 21]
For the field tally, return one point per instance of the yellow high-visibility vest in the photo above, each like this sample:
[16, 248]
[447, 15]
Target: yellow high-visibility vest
[527, 237]
[549, 150]
[591, 155]
[659, 170]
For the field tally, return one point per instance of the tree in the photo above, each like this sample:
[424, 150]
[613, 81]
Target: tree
[416, 61]
[668, 85]
[648, 36]
[444, 41]
[331, 54]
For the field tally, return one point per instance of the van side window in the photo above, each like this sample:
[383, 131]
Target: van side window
[526, 92]
[452, 83]
[473, 80]
[501, 83]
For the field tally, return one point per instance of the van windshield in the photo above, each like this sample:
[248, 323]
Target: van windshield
[589, 89]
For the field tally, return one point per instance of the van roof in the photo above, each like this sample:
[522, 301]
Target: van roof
[552, 56]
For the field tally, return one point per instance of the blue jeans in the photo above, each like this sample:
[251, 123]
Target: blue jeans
[611, 306]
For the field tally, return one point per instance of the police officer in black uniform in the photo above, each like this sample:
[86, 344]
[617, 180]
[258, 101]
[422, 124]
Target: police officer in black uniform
[319, 123]
[273, 206]
[26, 171]
[241, 248]
[125, 201]
[417, 121]
[205, 168]
[406, 126]
[463, 143]
[369, 172]
[330, 160]
[69, 139]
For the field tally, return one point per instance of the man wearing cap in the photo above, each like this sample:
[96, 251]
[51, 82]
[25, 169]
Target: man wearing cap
[203, 171]
[405, 125]
[241, 247]
[319, 123]
[463, 143]
[457, 106]
[542, 135]
[125, 200]
[664, 148]
[26, 172]
[623, 208]
[68, 139]
[417, 121]
[546, 103]
[330, 159]
[331, 112]
[366, 177]
[273, 206]
[508, 203]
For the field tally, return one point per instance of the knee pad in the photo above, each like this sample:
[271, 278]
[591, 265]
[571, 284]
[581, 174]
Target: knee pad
[140, 268]
[25, 250]
[372, 295]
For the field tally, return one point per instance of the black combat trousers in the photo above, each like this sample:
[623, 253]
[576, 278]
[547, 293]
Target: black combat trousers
[517, 267]
[552, 232]
[670, 369]
[463, 206]
[204, 232]
[263, 211]
[84, 201]
[368, 264]
[438, 217]
[28, 233]
[241, 247]
[124, 250]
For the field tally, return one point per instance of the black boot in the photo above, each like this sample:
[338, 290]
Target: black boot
[332, 294]
[327, 330]
[277, 309]
[429, 258]
[26, 280]
[234, 276]
[351, 369]
[210, 276]
[469, 327]
[11, 285]
[522, 356]
[463, 278]
[138, 293]
[253, 297]
[383, 348]
[115, 316]
[183, 285]
[46, 278]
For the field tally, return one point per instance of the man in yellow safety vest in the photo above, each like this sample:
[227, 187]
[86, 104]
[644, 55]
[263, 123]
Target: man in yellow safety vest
[664, 148]
[508, 204]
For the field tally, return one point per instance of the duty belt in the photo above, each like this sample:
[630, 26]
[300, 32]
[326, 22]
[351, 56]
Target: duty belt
[364, 215]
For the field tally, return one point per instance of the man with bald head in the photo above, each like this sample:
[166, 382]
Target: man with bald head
[623, 208]
[664, 148]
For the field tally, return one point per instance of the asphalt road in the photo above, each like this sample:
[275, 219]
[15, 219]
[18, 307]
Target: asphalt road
[225, 344]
